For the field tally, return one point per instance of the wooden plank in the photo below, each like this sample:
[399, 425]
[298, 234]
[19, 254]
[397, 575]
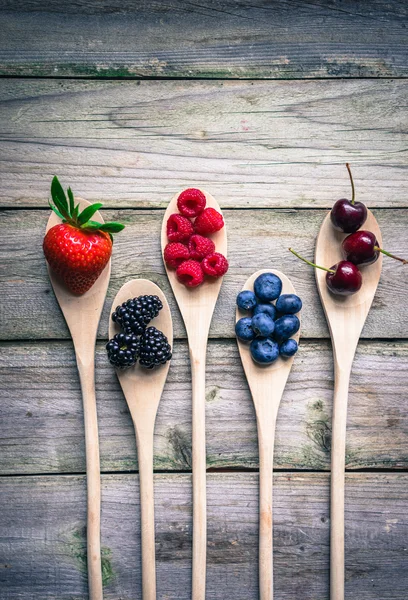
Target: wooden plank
[251, 144]
[42, 418]
[172, 38]
[256, 240]
[44, 517]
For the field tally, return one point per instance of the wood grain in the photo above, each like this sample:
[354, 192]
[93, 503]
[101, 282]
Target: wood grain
[29, 309]
[270, 39]
[42, 420]
[250, 144]
[45, 517]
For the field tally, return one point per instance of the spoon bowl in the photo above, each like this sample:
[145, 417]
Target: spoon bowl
[142, 389]
[345, 317]
[197, 306]
[82, 315]
[267, 384]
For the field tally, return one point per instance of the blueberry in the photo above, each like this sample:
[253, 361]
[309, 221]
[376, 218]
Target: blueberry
[243, 329]
[264, 350]
[285, 327]
[269, 309]
[262, 324]
[288, 348]
[267, 287]
[289, 304]
[246, 300]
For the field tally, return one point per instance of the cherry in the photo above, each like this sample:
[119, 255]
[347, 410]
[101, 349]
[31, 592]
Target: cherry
[343, 278]
[361, 248]
[348, 216]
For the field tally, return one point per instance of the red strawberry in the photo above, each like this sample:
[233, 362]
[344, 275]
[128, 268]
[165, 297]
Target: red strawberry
[77, 249]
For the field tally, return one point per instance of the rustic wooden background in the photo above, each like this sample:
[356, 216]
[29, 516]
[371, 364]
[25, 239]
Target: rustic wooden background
[260, 103]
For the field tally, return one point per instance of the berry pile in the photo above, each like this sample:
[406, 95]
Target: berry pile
[136, 340]
[271, 326]
[360, 248]
[190, 251]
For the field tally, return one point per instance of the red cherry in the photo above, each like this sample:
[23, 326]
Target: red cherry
[342, 279]
[361, 248]
[346, 215]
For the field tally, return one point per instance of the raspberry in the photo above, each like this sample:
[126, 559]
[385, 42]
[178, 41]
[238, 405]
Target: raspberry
[215, 265]
[175, 253]
[191, 203]
[190, 273]
[179, 228]
[208, 222]
[199, 247]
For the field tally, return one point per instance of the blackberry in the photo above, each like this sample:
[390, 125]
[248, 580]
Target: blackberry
[135, 314]
[123, 350]
[154, 348]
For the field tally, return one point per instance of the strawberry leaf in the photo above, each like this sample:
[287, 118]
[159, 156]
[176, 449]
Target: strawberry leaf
[59, 198]
[88, 213]
[55, 209]
[75, 212]
[71, 201]
[94, 225]
[112, 227]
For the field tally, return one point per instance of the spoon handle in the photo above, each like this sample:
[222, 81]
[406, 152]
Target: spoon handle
[93, 478]
[265, 443]
[338, 461]
[199, 473]
[144, 441]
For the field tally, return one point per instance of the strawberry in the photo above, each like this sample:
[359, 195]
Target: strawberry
[78, 249]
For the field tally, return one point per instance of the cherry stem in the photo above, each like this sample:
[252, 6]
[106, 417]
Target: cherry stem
[310, 263]
[352, 183]
[404, 262]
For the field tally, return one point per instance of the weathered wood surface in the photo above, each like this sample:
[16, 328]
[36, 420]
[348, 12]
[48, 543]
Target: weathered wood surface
[42, 417]
[266, 39]
[256, 239]
[251, 144]
[45, 516]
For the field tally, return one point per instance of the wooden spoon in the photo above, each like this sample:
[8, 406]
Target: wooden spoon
[197, 306]
[345, 317]
[142, 389]
[266, 384]
[82, 314]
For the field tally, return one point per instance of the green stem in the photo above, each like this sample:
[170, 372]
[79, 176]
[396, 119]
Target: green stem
[310, 263]
[404, 262]
[352, 183]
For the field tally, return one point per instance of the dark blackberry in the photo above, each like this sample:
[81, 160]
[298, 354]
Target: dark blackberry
[123, 350]
[135, 314]
[154, 348]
